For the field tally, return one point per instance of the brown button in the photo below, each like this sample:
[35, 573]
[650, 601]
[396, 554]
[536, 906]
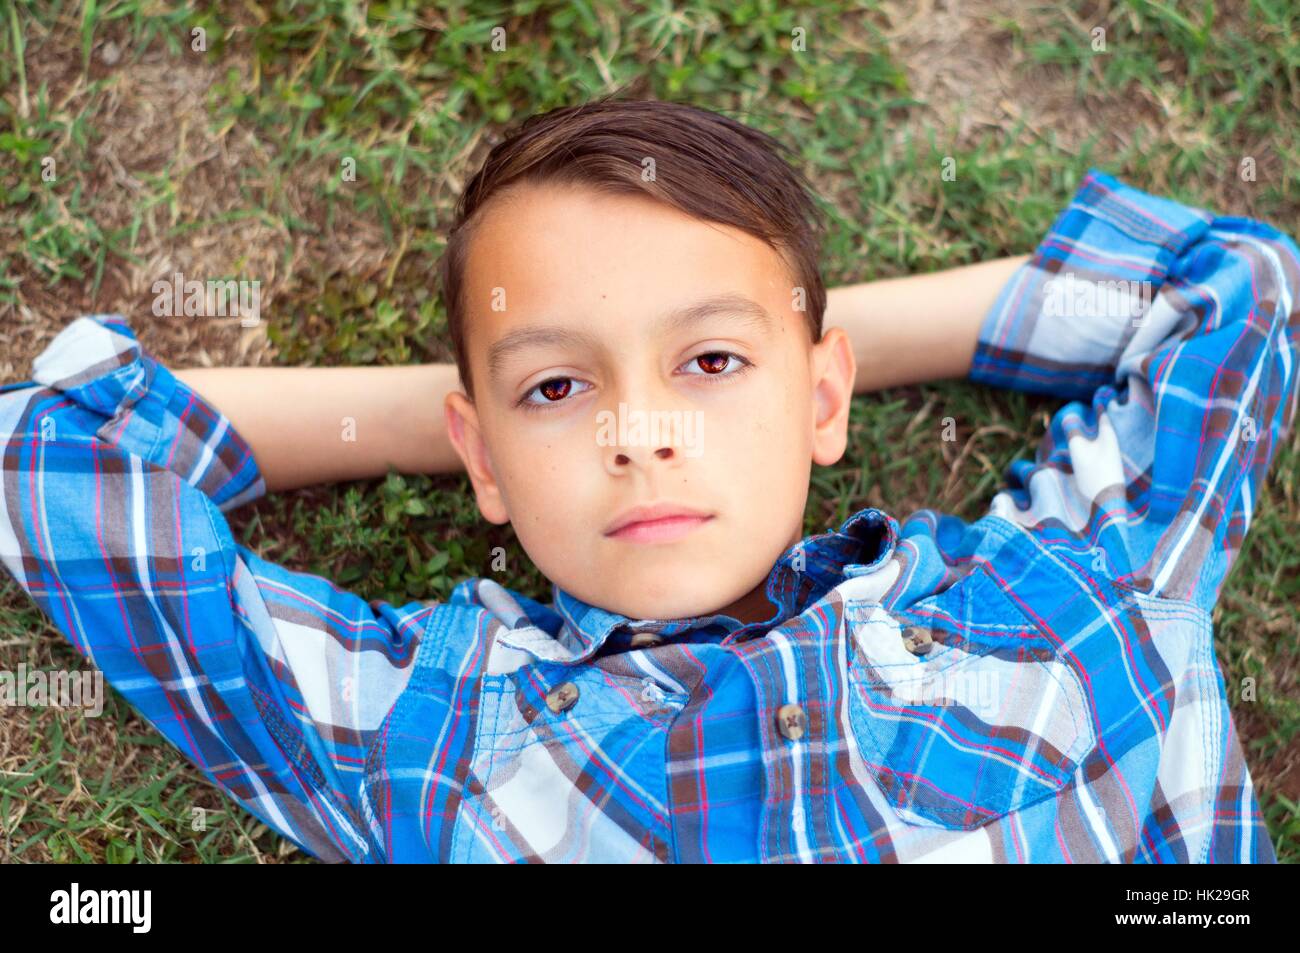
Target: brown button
[641, 640]
[918, 641]
[562, 697]
[790, 719]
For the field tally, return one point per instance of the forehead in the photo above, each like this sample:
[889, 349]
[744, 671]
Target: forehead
[566, 253]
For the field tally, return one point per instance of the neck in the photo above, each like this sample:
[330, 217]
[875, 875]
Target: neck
[753, 606]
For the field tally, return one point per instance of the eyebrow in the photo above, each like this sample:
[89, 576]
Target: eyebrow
[749, 311]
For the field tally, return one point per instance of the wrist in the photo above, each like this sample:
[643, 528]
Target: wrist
[917, 328]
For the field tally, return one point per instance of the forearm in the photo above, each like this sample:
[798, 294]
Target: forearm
[920, 327]
[309, 425]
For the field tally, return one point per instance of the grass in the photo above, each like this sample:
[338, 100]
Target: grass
[225, 161]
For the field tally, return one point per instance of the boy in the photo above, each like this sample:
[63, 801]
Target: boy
[1038, 685]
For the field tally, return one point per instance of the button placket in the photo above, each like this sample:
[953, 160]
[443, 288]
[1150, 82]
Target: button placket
[788, 670]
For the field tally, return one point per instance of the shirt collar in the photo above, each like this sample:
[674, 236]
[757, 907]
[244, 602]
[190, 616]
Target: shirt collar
[802, 575]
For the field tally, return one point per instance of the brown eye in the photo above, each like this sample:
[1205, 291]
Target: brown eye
[555, 389]
[717, 365]
[714, 362]
[552, 393]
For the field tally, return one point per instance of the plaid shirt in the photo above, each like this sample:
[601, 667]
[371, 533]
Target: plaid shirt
[1037, 685]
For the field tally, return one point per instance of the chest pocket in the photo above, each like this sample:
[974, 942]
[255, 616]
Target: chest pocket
[568, 767]
[962, 710]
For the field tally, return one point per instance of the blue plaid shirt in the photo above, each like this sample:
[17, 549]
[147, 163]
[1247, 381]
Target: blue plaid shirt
[1037, 685]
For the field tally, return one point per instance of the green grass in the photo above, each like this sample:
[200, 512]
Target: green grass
[413, 94]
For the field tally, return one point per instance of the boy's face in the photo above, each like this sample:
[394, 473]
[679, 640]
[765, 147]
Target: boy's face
[587, 295]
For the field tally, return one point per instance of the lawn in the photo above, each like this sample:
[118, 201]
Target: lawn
[133, 147]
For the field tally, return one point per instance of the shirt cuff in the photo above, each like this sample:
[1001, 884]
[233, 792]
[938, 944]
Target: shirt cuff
[1062, 321]
[97, 362]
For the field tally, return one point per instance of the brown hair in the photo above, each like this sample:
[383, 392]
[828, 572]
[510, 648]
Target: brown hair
[706, 165]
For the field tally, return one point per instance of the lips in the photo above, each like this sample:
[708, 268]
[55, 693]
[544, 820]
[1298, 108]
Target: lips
[657, 522]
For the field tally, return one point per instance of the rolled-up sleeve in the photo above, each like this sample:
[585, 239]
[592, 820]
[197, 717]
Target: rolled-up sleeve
[1173, 333]
[115, 478]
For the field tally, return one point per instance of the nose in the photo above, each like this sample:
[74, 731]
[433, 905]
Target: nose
[642, 434]
[633, 443]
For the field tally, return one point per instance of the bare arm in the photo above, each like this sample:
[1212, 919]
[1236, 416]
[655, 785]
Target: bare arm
[919, 327]
[310, 425]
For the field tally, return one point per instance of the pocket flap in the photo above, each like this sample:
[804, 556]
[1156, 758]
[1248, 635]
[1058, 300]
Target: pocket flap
[990, 720]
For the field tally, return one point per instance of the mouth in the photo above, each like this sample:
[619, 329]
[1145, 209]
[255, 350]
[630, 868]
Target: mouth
[657, 524]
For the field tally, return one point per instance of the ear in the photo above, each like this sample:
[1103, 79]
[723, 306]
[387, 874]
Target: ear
[834, 371]
[467, 437]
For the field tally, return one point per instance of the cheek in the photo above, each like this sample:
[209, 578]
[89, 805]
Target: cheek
[545, 477]
[761, 456]
[769, 428]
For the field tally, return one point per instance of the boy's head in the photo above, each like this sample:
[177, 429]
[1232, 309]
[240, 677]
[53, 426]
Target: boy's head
[635, 305]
